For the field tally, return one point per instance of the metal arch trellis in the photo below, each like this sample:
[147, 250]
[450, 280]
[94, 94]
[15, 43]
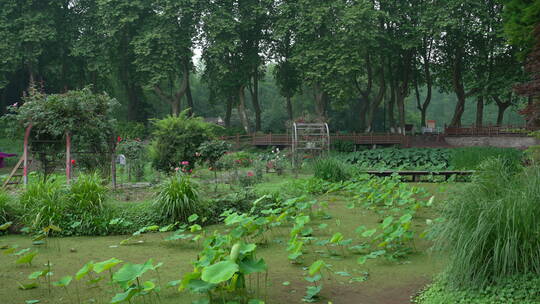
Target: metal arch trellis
[309, 137]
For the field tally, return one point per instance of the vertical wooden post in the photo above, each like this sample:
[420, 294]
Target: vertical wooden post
[68, 158]
[25, 154]
[237, 141]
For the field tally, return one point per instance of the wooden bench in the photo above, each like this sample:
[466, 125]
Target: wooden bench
[415, 175]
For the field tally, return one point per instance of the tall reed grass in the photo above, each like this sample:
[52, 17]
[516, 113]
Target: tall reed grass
[491, 227]
[470, 158]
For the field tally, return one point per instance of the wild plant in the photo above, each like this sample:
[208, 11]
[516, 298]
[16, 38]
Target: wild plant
[88, 193]
[314, 276]
[490, 226]
[43, 203]
[177, 198]
[330, 169]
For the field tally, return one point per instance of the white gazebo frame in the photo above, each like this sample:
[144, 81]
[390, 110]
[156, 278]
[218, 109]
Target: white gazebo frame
[312, 137]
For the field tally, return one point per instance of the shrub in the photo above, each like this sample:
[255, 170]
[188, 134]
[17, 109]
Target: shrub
[471, 157]
[176, 139]
[330, 169]
[239, 159]
[490, 227]
[87, 193]
[177, 198]
[44, 203]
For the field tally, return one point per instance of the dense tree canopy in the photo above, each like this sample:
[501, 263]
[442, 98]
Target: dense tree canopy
[362, 65]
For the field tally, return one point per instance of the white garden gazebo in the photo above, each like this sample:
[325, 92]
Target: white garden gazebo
[309, 138]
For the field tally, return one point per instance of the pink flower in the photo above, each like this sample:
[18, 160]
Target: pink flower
[176, 169]
[185, 163]
[118, 139]
[190, 170]
[73, 162]
[15, 104]
[250, 174]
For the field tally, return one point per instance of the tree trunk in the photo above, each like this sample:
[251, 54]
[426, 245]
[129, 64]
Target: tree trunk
[189, 98]
[391, 102]
[321, 100]
[289, 108]
[457, 82]
[255, 101]
[480, 111]
[502, 106]
[375, 103]
[500, 114]
[242, 110]
[228, 112]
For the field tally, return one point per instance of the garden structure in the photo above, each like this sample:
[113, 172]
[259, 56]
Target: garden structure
[309, 138]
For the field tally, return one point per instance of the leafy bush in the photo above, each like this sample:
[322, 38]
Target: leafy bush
[131, 130]
[240, 159]
[471, 157]
[177, 198]
[512, 290]
[490, 227]
[393, 158]
[87, 116]
[330, 169]
[239, 201]
[176, 139]
[211, 151]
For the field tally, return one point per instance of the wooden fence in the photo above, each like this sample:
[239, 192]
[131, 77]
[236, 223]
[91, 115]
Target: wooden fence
[489, 131]
[286, 139]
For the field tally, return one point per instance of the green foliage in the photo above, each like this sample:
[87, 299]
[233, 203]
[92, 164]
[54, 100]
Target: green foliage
[415, 158]
[211, 151]
[88, 193]
[6, 209]
[471, 157]
[43, 203]
[131, 130]
[177, 198]
[88, 117]
[523, 289]
[176, 139]
[489, 226]
[343, 146]
[330, 169]
[135, 151]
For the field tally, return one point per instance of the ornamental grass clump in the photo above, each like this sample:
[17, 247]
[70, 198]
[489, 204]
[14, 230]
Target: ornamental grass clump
[43, 203]
[490, 227]
[177, 198]
[88, 193]
[330, 169]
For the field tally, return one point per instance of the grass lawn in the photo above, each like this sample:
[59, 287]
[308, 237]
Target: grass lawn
[387, 282]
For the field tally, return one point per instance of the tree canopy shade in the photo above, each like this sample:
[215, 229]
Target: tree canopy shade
[357, 63]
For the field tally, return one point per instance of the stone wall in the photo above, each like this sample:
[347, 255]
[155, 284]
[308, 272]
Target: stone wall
[520, 142]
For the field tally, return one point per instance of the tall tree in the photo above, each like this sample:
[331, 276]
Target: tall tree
[163, 49]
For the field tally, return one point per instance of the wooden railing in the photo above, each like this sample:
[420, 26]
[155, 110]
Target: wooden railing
[286, 139]
[489, 131]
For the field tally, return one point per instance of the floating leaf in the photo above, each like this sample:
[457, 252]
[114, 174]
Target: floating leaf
[369, 233]
[286, 283]
[219, 272]
[32, 301]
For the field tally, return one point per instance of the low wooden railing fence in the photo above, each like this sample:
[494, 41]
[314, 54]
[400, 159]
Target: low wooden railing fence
[489, 131]
[271, 139]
